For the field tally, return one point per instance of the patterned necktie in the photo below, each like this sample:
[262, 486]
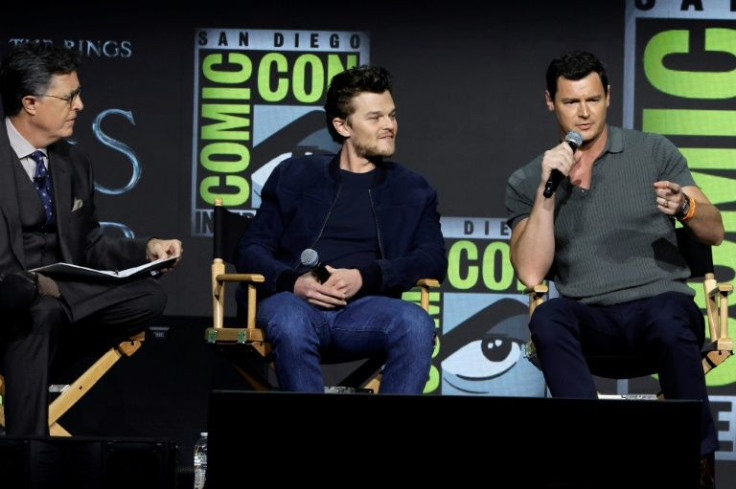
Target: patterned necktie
[42, 180]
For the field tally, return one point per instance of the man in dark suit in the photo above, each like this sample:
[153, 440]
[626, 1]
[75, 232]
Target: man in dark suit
[47, 215]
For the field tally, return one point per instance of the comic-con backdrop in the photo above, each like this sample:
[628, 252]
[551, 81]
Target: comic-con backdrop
[185, 107]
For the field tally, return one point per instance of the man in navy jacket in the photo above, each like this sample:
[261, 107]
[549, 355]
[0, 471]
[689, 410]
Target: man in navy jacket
[376, 228]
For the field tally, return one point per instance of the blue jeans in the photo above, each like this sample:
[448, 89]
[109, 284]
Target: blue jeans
[301, 334]
[668, 327]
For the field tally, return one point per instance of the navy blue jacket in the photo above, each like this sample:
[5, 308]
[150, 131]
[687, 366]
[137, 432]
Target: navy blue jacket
[296, 202]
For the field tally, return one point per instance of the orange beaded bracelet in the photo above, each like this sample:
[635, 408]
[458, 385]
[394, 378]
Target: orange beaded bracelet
[690, 209]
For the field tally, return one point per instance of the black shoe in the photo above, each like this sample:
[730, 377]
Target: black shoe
[17, 291]
[708, 471]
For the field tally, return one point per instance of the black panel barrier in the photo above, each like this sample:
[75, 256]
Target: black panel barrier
[87, 463]
[514, 442]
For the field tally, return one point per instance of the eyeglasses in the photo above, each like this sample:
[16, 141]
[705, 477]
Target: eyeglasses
[69, 99]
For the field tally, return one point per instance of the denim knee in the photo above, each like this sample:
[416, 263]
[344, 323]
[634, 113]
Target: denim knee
[416, 325]
[285, 317]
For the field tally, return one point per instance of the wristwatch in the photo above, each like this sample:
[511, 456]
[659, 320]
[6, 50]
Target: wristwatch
[684, 208]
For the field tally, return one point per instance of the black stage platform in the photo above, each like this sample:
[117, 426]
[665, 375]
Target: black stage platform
[87, 463]
[505, 442]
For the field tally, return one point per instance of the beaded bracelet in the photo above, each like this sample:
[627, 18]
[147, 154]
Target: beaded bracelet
[691, 210]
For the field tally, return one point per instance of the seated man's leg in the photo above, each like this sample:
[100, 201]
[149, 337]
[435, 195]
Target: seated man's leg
[562, 331]
[26, 359]
[116, 310]
[399, 329]
[676, 330]
[122, 308]
[292, 327]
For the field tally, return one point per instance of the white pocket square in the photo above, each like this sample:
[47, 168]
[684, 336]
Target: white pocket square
[78, 203]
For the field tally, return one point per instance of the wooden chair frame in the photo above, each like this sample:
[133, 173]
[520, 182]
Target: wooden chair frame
[75, 391]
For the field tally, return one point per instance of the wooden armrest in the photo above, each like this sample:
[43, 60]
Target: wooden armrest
[536, 295]
[725, 288]
[428, 282]
[536, 289]
[241, 277]
[219, 279]
[424, 285]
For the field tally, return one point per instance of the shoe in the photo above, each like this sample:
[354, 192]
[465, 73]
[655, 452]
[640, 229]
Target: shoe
[708, 471]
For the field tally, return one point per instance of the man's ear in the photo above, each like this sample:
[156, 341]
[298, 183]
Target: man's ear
[29, 103]
[549, 101]
[341, 126]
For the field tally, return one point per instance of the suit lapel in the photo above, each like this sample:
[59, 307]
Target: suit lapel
[9, 209]
[61, 179]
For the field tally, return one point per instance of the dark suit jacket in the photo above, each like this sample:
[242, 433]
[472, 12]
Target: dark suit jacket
[80, 236]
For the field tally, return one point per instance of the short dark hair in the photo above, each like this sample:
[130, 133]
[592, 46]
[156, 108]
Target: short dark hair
[346, 85]
[27, 70]
[575, 65]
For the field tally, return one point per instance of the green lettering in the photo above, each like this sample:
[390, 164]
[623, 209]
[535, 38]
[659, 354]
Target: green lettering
[335, 64]
[226, 93]
[236, 157]
[304, 64]
[232, 198]
[718, 189]
[276, 63]
[225, 130]
[460, 251]
[709, 158]
[686, 122]
[230, 69]
[496, 252]
[690, 84]
[434, 380]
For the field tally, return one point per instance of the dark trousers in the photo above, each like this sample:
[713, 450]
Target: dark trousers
[668, 328]
[114, 311]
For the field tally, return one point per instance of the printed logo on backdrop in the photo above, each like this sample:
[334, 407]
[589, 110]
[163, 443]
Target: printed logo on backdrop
[680, 81]
[89, 48]
[484, 315]
[258, 97]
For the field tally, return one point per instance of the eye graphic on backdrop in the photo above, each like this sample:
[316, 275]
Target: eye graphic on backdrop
[484, 359]
[484, 355]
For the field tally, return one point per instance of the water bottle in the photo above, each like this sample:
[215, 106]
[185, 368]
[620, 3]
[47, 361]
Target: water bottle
[200, 461]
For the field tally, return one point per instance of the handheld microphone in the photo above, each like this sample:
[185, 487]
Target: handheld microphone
[574, 139]
[310, 258]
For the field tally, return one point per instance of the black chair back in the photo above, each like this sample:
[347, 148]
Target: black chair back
[697, 255]
[227, 230]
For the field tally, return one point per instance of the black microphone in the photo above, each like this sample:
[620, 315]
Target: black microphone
[574, 139]
[310, 259]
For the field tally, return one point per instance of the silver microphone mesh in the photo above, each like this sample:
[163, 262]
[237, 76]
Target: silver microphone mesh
[310, 258]
[574, 139]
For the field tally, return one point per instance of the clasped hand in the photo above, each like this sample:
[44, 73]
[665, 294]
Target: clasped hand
[343, 284]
